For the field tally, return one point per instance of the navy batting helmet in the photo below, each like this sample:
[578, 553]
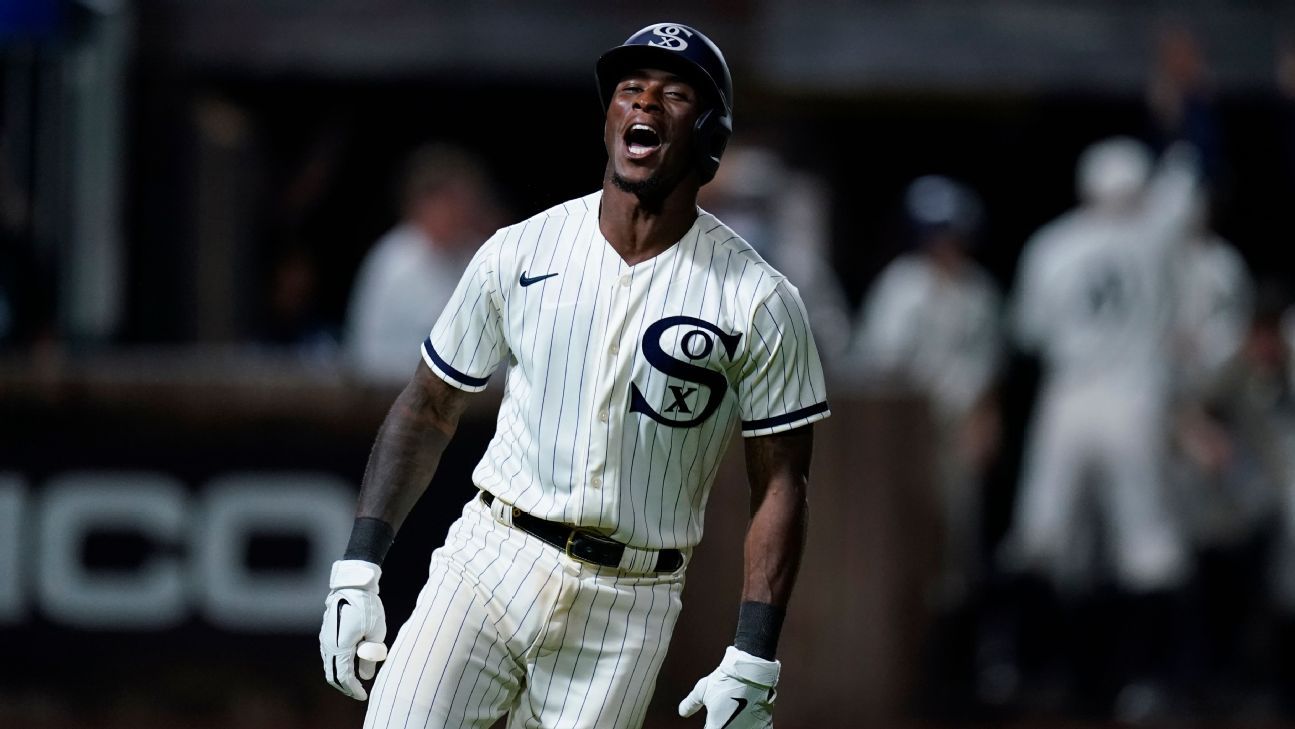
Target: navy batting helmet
[938, 204]
[685, 51]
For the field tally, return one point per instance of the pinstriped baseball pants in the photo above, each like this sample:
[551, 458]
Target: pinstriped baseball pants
[509, 624]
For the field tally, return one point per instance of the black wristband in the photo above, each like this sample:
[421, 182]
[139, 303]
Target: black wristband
[758, 626]
[370, 540]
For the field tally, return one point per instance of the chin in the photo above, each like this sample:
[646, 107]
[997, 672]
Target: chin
[651, 185]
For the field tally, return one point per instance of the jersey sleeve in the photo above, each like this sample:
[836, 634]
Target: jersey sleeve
[782, 384]
[467, 343]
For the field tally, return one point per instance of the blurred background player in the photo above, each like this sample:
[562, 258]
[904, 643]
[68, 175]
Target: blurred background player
[447, 209]
[931, 323]
[1094, 300]
[784, 214]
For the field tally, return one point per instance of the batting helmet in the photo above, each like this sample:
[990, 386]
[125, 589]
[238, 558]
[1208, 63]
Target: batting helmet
[687, 52]
[935, 203]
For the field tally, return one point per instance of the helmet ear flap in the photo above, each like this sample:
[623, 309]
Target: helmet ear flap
[711, 133]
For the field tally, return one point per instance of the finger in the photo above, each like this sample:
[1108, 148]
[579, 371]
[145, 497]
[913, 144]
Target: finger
[693, 701]
[354, 688]
[339, 671]
[366, 669]
[368, 655]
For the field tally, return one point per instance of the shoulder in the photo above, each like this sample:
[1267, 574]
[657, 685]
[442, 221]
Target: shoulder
[524, 234]
[907, 268]
[1060, 229]
[1057, 242]
[735, 259]
[579, 207]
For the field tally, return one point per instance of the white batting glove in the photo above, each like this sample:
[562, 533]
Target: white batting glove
[354, 623]
[737, 695]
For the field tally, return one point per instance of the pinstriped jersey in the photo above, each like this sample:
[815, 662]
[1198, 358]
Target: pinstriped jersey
[624, 383]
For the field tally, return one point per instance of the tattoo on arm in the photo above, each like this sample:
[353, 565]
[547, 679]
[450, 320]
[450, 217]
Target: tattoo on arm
[409, 445]
[778, 469]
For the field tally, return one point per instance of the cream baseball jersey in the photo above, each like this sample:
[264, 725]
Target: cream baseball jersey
[624, 383]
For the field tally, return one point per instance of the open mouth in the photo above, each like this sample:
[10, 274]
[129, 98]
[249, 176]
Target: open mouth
[641, 140]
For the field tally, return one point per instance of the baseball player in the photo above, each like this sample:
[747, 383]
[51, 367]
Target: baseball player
[932, 322]
[1213, 317]
[1094, 298]
[638, 333]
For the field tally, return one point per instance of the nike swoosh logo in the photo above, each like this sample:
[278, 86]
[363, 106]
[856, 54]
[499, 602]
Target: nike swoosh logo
[525, 281]
[340, 604]
[741, 704]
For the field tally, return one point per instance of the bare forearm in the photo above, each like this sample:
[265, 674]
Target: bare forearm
[778, 468]
[408, 448]
[774, 543]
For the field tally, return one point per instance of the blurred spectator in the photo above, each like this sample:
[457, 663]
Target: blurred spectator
[783, 213]
[448, 210]
[931, 322]
[1094, 299]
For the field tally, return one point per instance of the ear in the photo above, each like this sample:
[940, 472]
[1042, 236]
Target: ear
[711, 133]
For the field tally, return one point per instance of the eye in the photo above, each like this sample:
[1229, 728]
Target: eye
[678, 95]
[632, 87]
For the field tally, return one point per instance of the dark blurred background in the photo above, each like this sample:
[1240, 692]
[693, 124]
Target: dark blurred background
[193, 196]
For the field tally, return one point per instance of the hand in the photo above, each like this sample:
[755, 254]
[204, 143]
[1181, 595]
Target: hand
[354, 622]
[737, 695]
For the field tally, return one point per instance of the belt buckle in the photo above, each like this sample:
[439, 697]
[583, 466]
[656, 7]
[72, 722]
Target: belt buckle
[575, 532]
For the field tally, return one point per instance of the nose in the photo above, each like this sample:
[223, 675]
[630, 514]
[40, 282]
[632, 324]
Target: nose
[649, 99]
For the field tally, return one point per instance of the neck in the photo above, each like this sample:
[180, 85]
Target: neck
[640, 227]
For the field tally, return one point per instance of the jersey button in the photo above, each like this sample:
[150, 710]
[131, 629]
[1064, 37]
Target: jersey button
[596, 481]
[602, 415]
[615, 349]
[625, 280]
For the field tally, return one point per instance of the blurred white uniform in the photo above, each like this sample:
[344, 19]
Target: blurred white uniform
[937, 332]
[1094, 297]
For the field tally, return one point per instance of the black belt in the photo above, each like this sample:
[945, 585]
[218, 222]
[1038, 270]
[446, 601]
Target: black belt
[582, 545]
